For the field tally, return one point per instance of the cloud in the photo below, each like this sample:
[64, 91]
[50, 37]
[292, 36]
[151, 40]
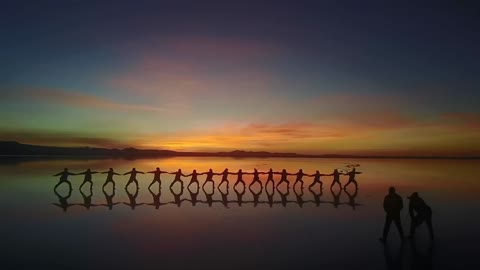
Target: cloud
[81, 100]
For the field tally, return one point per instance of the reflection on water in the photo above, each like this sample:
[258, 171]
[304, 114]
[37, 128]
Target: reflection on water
[235, 220]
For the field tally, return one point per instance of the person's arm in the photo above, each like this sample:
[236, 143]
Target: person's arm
[262, 173]
[58, 174]
[310, 175]
[127, 173]
[140, 172]
[291, 174]
[151, 172]
[116, 173]
[358, 172]
[94, 172]
[183, 175]
[188, 175]
[163, 172]
[104, 172]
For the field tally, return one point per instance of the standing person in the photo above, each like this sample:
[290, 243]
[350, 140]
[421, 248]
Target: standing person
[224, 174]
[256, 178]
[336, 178]
[110, 173]
[316, 179]
[63, 178]
[239, 174]
[299, 175]
[156, 177]
[351, 178]
[284, 175]
[423, 214]
[269, 177]
[392, 204]
[88, 178]
[133, 177]
[178, 178]
[209, 178]
[194, 179]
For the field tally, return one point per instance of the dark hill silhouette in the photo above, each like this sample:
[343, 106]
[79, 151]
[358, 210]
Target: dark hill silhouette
[9, 149]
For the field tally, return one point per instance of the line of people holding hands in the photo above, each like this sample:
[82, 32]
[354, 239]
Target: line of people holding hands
[88, 176]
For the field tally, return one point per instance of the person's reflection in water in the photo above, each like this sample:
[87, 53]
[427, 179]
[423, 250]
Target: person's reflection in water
[270, 194]
[351, 198]
[351, 178]
[193, 194]
[423, 214]
[299, 196]
[110, 173]
[224, 196]
[63, 200]
[88, 178]
[63, 178]
[422, 260]
[392, 204]
[256, 179]
[156, 177]
[177, 197]
[336, 197]
[87, 200]
[133, 177]
[256, 195]
[109, 198]
[132, 198]
[156, 198]
[316, 196]
[209, 195]
[283, 196]
[393, 261]
[178, 178]
[240, 194]
[316, 179]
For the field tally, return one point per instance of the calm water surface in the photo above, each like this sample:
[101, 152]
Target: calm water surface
[218, 230]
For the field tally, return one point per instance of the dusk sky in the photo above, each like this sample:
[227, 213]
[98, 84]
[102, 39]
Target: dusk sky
[279, 76]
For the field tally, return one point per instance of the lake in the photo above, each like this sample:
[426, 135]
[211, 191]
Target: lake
[255, 228]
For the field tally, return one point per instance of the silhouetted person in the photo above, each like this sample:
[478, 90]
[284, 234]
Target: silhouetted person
[110, 173]
[351, 198]
[178, 178]
[63, 200]
[393, 205]
[299, 196]
[88, 178]
[156, 177]
[133, 177]
[423, 214]
[194, 179]
[209, 178]
[63, 178]
[284, 178]
[256, 195]
[177, 196]
[87, 200]
[316, 179]
[270, 195]
[316, 196]
[336, 178]
[351, 178]
[256, 178]
[224, 174]
[156, 198]
[299, 178]
[109, 199]
[336, 197]
[239, 174]
[269, 177]
[132, 198]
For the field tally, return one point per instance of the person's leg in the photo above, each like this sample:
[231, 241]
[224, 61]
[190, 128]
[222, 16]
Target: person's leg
[348, 183]
[398, 224]
[153, 181]
[386, 227]
[83, 183]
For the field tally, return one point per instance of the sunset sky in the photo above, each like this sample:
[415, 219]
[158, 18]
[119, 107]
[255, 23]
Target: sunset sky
[219, 76]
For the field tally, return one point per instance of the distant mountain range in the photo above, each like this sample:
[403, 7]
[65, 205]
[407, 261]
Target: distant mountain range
[12, 148]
